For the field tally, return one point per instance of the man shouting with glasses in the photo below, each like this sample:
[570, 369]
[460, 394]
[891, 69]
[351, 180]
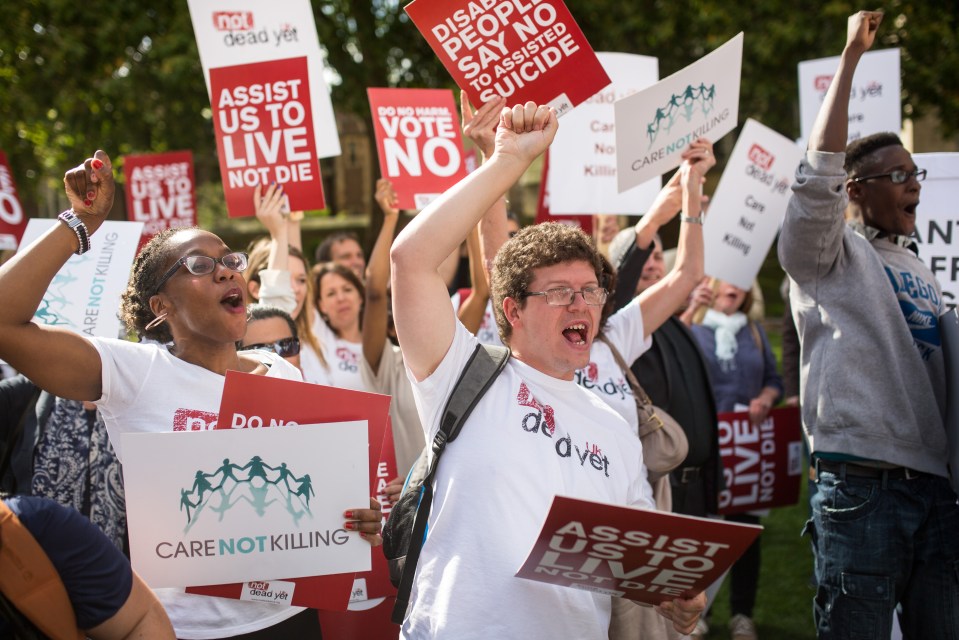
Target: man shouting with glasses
[535, 433]
[885, 520]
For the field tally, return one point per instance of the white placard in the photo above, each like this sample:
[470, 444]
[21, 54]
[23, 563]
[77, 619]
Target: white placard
[874, 101]
[937, 224]
[235, 32]
[654, 126]
[241, 505]
[748, 206]
[582, 168]
[85, 294]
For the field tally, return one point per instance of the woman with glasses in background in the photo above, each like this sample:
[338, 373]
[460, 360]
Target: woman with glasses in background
[186, 292]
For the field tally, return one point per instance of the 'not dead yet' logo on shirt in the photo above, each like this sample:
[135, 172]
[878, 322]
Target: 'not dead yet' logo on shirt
[543, 420]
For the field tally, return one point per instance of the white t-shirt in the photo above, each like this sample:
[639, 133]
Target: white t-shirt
[602, 375]
[529, 439]
[391, 380]
[343, 357]
[147, 389]
[488, 332]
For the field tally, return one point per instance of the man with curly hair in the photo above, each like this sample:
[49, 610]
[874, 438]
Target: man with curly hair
[534, 434]
[885, 520]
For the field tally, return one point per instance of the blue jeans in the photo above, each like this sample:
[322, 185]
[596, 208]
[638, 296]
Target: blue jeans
[879, 542]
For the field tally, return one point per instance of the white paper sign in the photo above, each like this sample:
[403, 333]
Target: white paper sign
[235, 505]
[582, 168]
[655, 125]
[85, 294]
[750, 201]
[874, 102]
[235, 32]
[937, 222]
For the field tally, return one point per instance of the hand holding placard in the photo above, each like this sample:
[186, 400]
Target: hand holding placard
[480, 127]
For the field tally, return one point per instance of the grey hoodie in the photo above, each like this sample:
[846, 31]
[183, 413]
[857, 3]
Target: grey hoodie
[872, 379]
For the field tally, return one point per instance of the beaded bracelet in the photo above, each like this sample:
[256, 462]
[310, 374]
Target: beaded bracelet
[73, 222]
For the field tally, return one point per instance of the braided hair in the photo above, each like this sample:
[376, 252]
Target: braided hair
[148, 268]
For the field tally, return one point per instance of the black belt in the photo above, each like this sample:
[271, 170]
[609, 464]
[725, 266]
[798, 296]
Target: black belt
[863, 471]
[687, 474]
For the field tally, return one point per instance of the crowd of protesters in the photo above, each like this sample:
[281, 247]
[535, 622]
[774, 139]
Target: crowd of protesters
[884, 519]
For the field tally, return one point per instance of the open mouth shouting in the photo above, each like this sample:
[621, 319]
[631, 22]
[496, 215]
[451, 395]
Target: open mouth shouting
[233, 301]
[577, 334]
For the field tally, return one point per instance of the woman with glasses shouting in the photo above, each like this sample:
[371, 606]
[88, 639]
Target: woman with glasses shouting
[186, 292]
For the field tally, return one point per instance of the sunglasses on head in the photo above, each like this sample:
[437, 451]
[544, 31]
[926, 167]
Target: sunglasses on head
[285, 348]
[202, 265]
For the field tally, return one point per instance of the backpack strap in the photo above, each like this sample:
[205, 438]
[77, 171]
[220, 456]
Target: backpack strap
[478, 375]
[30, 581]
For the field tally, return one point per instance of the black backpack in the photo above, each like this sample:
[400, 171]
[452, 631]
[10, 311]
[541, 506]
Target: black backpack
[405, 530]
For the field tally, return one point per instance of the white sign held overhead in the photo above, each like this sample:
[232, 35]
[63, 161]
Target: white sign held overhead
[747, 209]
[237, 32]
[85, 294]
[937, 224]
[654, 126]
[874, 103]
[582, 169]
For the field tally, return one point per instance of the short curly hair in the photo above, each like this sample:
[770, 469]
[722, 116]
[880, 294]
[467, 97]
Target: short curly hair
[148, 267]
[542, 245]
[858, 152]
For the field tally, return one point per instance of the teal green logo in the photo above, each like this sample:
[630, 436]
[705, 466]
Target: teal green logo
[52, 309]
[682, 105]
[258, 484]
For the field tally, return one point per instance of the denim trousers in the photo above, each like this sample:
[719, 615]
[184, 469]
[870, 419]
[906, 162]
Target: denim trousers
[882, 541]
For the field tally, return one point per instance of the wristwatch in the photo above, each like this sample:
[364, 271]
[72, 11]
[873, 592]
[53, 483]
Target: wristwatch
[691, 220]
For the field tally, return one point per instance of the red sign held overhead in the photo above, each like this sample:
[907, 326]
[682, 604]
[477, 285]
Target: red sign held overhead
[419, 143]
[12, 220]
[264, 133]
[520, 49]
[160, 191]
[762, 464]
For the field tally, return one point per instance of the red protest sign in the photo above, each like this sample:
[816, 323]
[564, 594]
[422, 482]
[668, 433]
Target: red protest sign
[418, 141]
[161, 191]
[250, 402]
[519, 49]
[12, 220]
[647, 556]
[264, 133]
[762, 464]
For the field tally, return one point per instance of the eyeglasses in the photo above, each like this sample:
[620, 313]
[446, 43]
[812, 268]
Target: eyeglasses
[285, 348]
[564, 296]
[896, 177]
[202, 265]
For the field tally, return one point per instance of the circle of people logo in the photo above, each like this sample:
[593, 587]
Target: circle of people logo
[681, 104]
[260, 486]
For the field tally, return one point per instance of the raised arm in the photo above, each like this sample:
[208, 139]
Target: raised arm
[62, 362]
[831, 128]
[662, 299]
[473, 309]
[421, 310]
[375, 321]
